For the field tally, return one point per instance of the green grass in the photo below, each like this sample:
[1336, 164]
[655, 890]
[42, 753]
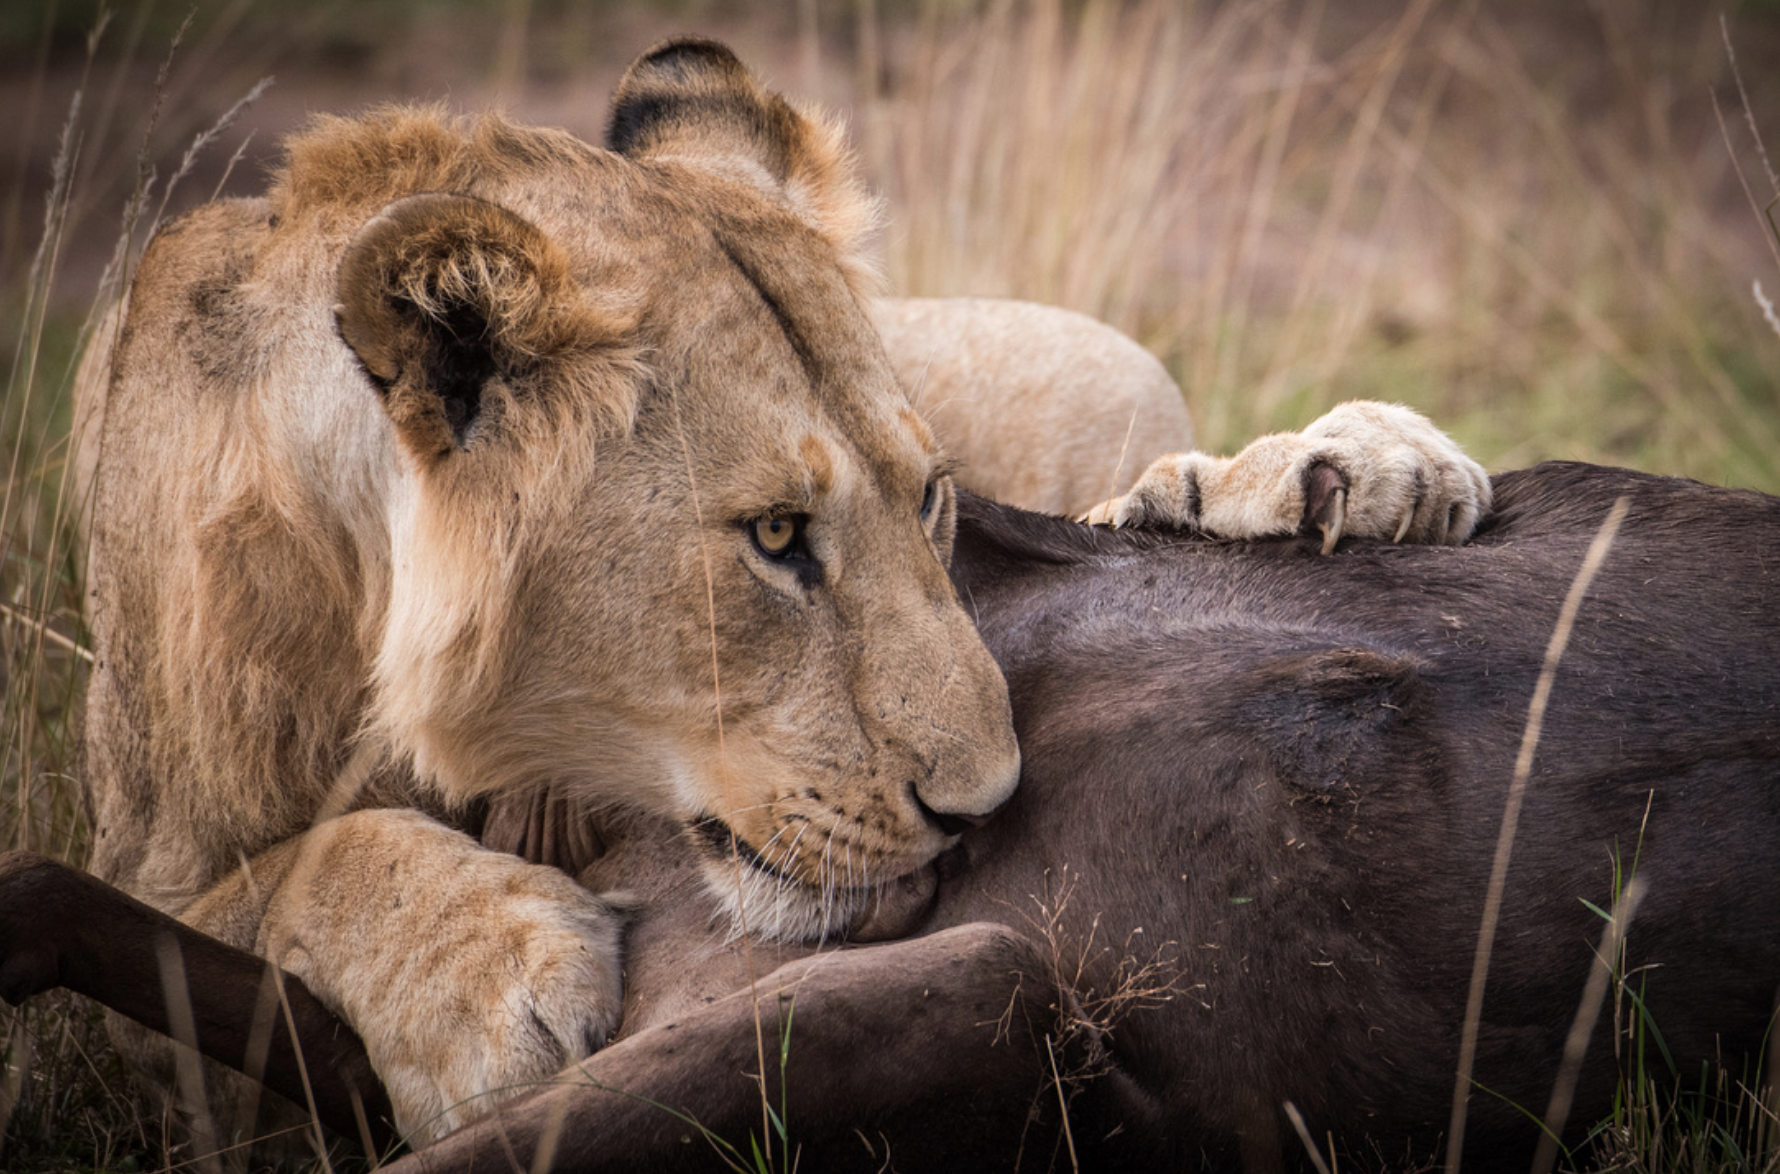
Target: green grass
[1547, 249]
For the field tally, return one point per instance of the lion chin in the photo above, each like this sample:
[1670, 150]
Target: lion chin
[848, 902]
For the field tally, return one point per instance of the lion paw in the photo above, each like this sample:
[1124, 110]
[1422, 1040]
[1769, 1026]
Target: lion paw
[469, 974]
[1366, 469]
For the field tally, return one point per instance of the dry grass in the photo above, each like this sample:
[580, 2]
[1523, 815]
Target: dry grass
[1525, 223]
[65, 1101]
[1543, 247]
[63, 1098]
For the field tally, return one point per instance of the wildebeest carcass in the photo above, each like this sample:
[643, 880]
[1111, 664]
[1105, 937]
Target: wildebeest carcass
[1245, 866]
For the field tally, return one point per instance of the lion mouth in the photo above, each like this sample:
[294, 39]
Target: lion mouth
[874, 912]
[719, 837]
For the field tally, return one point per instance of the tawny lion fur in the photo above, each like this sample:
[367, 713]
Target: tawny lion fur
[458, 464]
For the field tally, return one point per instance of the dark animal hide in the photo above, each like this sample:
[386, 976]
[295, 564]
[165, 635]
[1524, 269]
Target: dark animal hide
[1246, 864]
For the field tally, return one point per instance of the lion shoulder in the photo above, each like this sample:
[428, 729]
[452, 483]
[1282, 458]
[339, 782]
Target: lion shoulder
[1043, 407]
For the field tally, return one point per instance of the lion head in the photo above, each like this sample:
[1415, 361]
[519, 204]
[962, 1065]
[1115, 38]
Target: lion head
[661, 527]
[523, 462]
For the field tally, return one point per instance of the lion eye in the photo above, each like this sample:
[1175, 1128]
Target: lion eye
[929, 501]
[774, 537]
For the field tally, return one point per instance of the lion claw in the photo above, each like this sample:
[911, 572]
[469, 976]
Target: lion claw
[1364, 470]
[1406, 480]
[1337, 518]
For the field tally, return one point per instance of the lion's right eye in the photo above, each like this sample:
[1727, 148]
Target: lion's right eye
[775, 537]
[784, 539]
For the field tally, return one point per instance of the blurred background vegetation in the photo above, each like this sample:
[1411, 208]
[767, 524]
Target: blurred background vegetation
[1541, 222]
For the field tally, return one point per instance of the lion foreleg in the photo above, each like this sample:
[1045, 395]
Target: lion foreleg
[470, 975]
[928, 1054]
[1365, 470]
[63, 927]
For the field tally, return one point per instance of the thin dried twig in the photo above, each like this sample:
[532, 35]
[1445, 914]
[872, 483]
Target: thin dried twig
[1297, 1120]
[202, 140]
[1517, 791]
[1767, 308]
[14, 616]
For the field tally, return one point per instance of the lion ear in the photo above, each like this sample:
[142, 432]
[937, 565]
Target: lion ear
[693, 101]
[442, 298]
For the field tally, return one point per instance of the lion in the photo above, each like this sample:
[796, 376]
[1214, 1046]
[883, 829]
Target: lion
[472, 457]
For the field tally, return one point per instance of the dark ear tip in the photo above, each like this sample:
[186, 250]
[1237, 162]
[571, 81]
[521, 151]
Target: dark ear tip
[1344, 671]
[684, 59]
[656, 84]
